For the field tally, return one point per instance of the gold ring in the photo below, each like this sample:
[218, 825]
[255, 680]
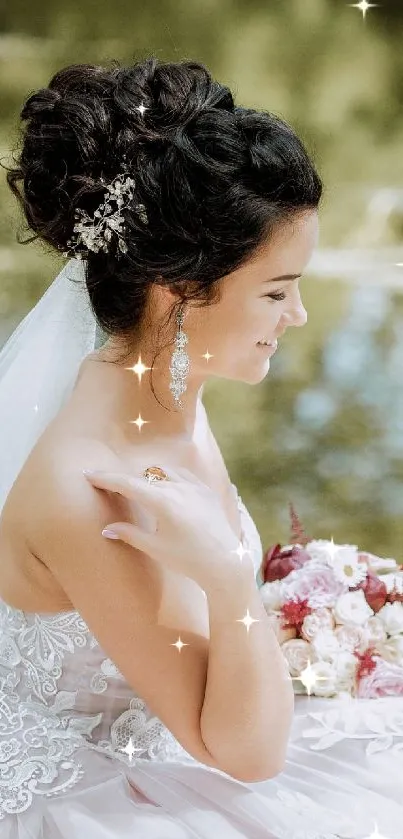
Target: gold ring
[155, 473]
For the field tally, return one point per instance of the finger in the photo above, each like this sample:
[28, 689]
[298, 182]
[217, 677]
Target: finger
[129, 486]
[106, 479]
[129, 533]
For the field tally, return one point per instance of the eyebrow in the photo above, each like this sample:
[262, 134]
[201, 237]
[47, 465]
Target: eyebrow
[283, 277]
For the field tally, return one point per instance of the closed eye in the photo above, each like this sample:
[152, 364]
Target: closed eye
[278, 296]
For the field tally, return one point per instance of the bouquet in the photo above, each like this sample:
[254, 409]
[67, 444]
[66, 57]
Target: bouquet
[338, 615]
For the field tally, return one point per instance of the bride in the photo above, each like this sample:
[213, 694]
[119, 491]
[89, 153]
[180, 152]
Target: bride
[143, 688]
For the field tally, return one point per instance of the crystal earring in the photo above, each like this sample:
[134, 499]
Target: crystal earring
[180, 362]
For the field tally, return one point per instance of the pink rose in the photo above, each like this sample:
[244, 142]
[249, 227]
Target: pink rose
[385, 680]
[318, 585]
[318, 620]
[278, 562]
[297, 653]
[352, 637]
[376, 631]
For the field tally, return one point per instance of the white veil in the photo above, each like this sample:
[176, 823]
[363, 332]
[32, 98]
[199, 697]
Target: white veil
[39, 365]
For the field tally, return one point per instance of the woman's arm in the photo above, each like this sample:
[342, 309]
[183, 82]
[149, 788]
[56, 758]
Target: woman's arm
[249, 699]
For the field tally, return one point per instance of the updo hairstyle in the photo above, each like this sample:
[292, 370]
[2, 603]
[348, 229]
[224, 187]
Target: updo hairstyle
[217, 180]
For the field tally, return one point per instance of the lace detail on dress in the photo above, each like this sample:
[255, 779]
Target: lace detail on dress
[38, 734]
[42, 725]
[151, 737]
[378, 721]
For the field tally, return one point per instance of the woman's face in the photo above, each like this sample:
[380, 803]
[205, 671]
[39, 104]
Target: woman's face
[255, 306]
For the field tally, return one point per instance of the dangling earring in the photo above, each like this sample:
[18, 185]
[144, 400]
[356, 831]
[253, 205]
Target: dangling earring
[180, 362]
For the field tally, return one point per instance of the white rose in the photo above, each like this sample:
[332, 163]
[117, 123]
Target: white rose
[352, 638]
[322, 550]
[345, 665]
[392, 650]
[320, 619]
[376, 631]
[391, 616]
[325, 644]
[328, 684]
[297, 653]
[271, 596]
[393, 580]
[352, 607]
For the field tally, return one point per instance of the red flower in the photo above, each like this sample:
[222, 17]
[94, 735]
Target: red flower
[278, 562]
[375, 591]
[366, 661]
[294, 613]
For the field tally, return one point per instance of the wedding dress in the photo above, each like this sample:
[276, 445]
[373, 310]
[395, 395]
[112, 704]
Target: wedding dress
[67, 715]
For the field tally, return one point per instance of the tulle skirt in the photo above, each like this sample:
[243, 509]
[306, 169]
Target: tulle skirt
[343, 779]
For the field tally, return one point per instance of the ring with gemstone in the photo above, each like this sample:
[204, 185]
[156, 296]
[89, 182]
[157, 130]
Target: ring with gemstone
[155, 473]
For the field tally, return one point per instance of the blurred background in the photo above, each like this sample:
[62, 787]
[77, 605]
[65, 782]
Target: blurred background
[324, 430]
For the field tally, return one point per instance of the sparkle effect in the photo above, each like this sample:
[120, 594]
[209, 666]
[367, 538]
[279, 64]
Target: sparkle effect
[139, 422]
[332, 549]
[240, 551]
[129, 749]
[179, 644]
[363, 6]
[308, 677]
[376, 835]
[139, 368]
[141, 108]
[247, 620]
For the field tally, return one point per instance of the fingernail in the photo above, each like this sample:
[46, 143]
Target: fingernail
[89, 472]
[110, 534]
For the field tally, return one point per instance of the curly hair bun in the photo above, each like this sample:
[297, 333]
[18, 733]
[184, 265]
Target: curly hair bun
[215, 179]
[39, 103]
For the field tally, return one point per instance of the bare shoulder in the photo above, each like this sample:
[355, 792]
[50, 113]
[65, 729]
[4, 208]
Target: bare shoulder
[133, 607]
[55, 477]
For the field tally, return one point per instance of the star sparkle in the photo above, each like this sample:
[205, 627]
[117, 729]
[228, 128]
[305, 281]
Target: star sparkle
[179, 644]
[363, 6]
[332, 549]
[139, 368]
[247, 620]
[139, 422]
[142, 109]
[240, 551]
[129, 749]
[308, 677]
[376, 834]
[207, 355]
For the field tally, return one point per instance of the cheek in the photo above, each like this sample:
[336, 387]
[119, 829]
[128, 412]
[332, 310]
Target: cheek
[265, 319]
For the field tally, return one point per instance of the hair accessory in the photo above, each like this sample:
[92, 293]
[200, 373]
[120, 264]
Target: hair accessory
[96, 233]
[155, 473]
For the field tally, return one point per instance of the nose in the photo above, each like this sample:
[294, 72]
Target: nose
[297, 316]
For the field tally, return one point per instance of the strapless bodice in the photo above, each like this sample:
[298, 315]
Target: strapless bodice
[60, 691]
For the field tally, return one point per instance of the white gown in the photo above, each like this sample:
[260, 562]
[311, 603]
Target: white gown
[66, 713]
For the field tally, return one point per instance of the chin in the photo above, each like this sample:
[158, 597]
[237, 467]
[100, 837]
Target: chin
[252, 376]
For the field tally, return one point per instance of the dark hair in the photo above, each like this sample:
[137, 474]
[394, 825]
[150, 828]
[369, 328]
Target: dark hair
[216, 180]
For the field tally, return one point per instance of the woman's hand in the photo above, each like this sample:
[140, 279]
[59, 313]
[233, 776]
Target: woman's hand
[191, 534]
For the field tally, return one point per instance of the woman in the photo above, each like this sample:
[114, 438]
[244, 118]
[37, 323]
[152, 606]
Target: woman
[144, 692]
